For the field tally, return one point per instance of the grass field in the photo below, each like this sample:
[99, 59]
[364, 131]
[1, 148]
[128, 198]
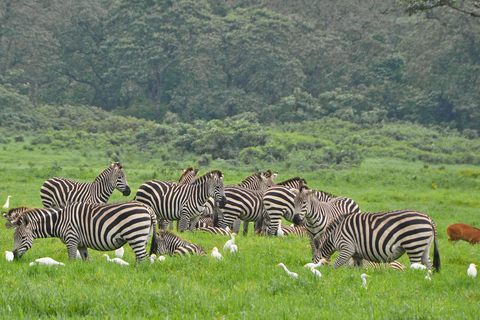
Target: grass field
[247, 285]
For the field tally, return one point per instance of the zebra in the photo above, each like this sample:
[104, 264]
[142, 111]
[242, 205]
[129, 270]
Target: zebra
[380, 237]
[102, 227]
[245, 203]
[204, 222]
[215, 230]
[395, 265]
[13, 215]
[189, 176]
[278, 203]
[293, 230]
[183, 202]
[171, 244]
[57, 192]
[315, 214]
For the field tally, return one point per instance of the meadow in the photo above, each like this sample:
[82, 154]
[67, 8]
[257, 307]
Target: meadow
[246, 285]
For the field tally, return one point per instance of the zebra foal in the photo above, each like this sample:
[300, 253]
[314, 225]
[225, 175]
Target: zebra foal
[57, 192]
[102, 227]
[171, 244]
[380, 237]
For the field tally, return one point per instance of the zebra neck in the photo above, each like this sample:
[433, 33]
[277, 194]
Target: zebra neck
[45, 224]
[101, 191]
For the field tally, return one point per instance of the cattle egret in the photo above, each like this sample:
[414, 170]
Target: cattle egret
[8, 256]
[48, 262]
[119, 252]
[427, 277]
[291, 274]
[115, 260]
[161, 258]
[280, 231]
[7, 203]
[364, 276]
[79, 256]
[472, 271]
[216, 254]
[234, 248]
[316, 272]
[320, 263]
[417, 266]
[152, 258]
[229, 243]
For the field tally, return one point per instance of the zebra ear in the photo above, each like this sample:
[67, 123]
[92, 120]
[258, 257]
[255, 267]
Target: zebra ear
[274, 175]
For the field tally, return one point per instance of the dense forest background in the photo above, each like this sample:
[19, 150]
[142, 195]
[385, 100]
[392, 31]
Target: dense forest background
[216, 77]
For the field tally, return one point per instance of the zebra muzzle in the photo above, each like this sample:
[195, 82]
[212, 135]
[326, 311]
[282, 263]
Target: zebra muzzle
[127, 191]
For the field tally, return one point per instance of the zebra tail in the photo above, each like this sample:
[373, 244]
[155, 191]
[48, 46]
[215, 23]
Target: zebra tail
[154, 245]
[436, 256]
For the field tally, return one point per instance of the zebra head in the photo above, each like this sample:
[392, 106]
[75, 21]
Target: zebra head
[268, 179]
[23, 236]
[162, 240]
[120, 182]
[189, 175]
[300, 203]
[217, 187]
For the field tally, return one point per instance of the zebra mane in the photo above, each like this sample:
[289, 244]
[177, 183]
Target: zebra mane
[296, 179]
[209, 175]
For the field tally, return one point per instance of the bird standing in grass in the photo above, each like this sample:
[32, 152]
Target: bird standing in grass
[161, 258]
[116, 260]
[427, 277]
[472, 271]
[291, 274]
[152, 258]
[216, 254]
[280, 231]
[119, 252]
[417, 266]
[320, 263]
[47, 261]
[7, 203]
[234, 248]
[316, 272]
[229, 243]
[364, 276]
[8, 256]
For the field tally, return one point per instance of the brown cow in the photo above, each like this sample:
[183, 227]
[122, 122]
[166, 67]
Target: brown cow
[461, 231]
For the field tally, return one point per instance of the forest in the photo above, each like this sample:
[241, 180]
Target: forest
[276, 62]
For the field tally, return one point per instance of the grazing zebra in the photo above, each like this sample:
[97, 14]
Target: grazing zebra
[102, 227]
[316, 214]
[215, 230]
[171, 244]
[183, 202]
[395, 265]
[380, 237]
[57, 192]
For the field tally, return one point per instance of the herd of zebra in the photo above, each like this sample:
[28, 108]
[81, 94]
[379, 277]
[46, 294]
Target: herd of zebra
[78, 214]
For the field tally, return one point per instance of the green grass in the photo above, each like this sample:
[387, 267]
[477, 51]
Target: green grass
[247, 285]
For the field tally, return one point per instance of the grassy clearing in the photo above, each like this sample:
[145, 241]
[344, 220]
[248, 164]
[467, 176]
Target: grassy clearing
[247, 285]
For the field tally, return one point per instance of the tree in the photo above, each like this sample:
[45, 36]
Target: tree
[469, 7]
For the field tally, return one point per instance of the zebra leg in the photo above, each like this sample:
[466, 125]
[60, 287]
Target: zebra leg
[193, 223]
[344, 256]
[72, 247]
[236, 225]
[84, 253]
[183, 224]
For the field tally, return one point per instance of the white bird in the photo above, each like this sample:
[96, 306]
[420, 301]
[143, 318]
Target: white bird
[320, 263]
[291, 274]
[234, 248]
[417, 266]
[279, 230]
[79, 256]
[161, 258]
[116, 260]
[427, 277]
[316, 272]
[48, 262]
[8, 256]
[119, 252]
[152, 258]
[216, 254]
[7, 203]
[229, 243]
[472, 271]
[364, 276]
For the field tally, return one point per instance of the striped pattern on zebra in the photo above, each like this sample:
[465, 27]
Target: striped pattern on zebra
[204, 222]
[395, 265]
[297, 231]
[380, 237]
[189, 175]
[183, 202]
[278, 203]
[14, 214]
[315, 214]
[215, 230]
[57, 192]
[171, 244]
[102, 227]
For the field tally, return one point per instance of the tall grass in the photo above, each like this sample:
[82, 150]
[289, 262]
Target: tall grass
[246, 285]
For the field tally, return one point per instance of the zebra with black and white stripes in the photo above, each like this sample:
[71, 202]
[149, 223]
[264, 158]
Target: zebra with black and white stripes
[102, 227]
[57, 192]
[315, 214]
[171, 244]
[185, 202]
[189, 175]
[380, 237]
